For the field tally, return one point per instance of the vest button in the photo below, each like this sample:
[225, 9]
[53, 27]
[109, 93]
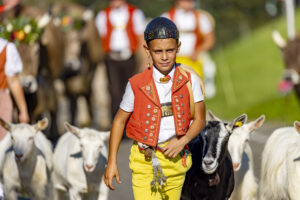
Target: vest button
[180, 95]
[147, 122]
[148, 87]
[145, 138]
[146, 130]
[150, 134]
[149, 106]
[182, 112]
[179, 116]
[151, 127]
[182, 104]
[178, 108]
[155, 110]
[153, 118]
[176, 100]
[148, 114]
[183, 120]
[180, 77]
[179, 124]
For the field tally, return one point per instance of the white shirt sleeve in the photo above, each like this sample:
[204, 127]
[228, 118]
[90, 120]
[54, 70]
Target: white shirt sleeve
[166, 15]
[127, 103]
[139, 22]
[196, 87]
[100, 23]
[205, 24]
[13, 64]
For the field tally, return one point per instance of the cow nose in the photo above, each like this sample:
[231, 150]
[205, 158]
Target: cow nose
[235, 166]
[19, 156]
[89, 167]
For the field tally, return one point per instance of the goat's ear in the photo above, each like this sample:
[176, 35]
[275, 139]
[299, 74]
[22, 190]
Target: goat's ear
[239, 121]
[72, 129]
[41, 124]
[297, 126]
[257, 123]
[5, 124]
[104, 135]
[212, 117]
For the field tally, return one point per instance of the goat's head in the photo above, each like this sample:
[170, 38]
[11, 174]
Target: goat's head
[91, 144]
[216, 138]
[22, 137]
[239, 138]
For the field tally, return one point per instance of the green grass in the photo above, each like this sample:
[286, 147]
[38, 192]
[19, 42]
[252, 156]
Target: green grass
[248, 71]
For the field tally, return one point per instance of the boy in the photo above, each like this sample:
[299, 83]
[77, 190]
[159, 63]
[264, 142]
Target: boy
[156, 112]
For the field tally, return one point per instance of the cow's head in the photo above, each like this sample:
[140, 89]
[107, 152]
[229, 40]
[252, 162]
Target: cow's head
[22, 137]
[91, 144]
[290, 52]
[217, 134]
[239, 138]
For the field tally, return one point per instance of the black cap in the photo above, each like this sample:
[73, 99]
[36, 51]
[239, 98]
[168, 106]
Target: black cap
[160, 28]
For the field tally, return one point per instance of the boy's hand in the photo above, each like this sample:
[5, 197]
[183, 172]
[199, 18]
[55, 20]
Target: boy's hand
[174, 147]
[111, 172]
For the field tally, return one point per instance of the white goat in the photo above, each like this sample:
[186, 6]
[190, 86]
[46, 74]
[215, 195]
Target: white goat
[28, 161]
[280, 167]
[79, 163]
[241, 154]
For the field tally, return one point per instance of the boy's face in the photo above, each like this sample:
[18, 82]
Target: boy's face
[163, 53]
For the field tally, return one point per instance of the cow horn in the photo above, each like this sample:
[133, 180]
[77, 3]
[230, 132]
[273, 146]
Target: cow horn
[278, 39]
[44, 20]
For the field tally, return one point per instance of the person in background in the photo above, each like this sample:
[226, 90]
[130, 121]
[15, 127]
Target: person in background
[197, 37]
[121, 27]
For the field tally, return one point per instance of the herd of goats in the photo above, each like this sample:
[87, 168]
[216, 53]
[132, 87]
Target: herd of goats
[74, 168]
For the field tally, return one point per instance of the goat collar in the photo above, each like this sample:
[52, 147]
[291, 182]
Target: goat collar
[214, 180]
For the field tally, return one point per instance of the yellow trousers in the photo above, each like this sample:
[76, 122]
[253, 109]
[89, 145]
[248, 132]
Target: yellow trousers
[196, 65]
[142, 175]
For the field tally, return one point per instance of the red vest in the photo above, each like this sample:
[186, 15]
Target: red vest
[3, 80]
[133, 38]
[144, 123]
[197, 31]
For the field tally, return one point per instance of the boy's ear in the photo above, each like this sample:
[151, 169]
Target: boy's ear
[178, 47]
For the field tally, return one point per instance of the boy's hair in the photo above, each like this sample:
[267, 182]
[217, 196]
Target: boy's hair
[161, 28]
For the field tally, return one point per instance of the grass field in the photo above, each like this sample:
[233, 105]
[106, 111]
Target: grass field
[248, 71]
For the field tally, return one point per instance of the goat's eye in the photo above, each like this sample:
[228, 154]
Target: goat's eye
[30, 138]
[12, 138]
[100, 147]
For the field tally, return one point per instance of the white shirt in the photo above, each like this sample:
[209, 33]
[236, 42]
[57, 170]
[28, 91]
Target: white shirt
[167, 125]
[13, 64]
[186, 24]
[119, 18]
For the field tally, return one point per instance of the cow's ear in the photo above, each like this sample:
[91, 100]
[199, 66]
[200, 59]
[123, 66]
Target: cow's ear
[72, 129]
[212, 117]
[5, 124]
[257, 123]
[239, 121]
[297, 126]
[41, 125]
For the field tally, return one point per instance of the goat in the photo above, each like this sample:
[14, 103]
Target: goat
[28, 161]
[280, 167]
[79, 164]
[241, 155]
[211, 175]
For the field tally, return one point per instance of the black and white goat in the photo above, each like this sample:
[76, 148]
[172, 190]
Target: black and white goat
[211, 175]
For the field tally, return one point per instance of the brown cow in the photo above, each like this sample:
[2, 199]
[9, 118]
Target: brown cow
[82, 52]
[290, 52]
[42, 64]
